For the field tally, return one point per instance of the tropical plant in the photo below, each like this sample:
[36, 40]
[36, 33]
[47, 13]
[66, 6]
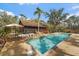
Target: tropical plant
[50, 27]
[7, 19]
[23, 16]
[41, 21]
[4, 20]
[56, 16]
[73, 22]
[38, 12]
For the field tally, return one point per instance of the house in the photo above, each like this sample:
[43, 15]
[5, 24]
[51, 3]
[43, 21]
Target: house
[30, 26]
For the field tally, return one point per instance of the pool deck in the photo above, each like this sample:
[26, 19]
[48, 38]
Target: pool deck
[68, 48]
[64, 46]
[75, 36]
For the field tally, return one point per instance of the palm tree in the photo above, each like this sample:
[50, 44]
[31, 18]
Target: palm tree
[73, 22]
[55, 17]
[38, 12]
[77, 22]
[23, 17]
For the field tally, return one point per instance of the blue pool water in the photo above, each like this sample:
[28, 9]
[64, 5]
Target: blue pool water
[45, 43]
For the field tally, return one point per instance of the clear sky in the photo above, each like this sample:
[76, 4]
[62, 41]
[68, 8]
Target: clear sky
[28, 8]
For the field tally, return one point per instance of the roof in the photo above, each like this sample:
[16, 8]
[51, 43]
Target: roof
[13, 25]
[30, 23]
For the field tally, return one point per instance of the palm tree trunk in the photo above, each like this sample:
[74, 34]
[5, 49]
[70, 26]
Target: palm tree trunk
[38, 23]
[38, 26]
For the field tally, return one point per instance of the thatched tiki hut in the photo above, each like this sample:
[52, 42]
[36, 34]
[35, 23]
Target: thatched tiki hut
[31, 26]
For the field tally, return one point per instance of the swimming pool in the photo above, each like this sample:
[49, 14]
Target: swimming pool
[45, 43]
